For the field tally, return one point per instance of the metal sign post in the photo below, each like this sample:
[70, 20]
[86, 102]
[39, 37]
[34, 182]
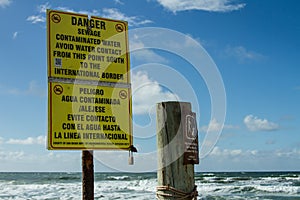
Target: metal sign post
[87, 175]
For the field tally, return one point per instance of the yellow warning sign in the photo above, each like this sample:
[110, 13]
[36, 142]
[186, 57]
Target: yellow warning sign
[89, 117]
[88, 48]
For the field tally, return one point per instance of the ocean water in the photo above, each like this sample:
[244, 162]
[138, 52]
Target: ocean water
[108, 186]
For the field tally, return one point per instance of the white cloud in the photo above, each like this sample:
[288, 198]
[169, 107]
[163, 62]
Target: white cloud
[15, 35]
[147, 55]
[215, 126]
[116, 14]
[13, 155]
[41, 17]
[255, 124]
[85, 12]
[258, 154]
[226, 152]
[29, 161]
[147, 92]
[28, 141]
[4, 3]
[106, 12]
[206, 5]
[119, 2]
[291, 153]
[66, 9]
[43, 7]
[143, 162]
[33, 89]
[242, 54]
[90, 13]
[140, 53]
[36, 19]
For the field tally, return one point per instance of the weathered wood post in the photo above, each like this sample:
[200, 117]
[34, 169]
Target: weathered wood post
[175, 177]
[87, 175]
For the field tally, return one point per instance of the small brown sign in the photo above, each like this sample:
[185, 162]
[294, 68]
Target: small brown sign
[190, 139]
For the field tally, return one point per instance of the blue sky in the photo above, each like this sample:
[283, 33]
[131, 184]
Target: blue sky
[255, 46]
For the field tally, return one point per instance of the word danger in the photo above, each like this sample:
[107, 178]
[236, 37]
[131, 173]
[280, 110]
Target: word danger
[88, 24]
[85, 22]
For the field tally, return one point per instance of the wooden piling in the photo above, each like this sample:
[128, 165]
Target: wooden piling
[87, 175]
[173, 176]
